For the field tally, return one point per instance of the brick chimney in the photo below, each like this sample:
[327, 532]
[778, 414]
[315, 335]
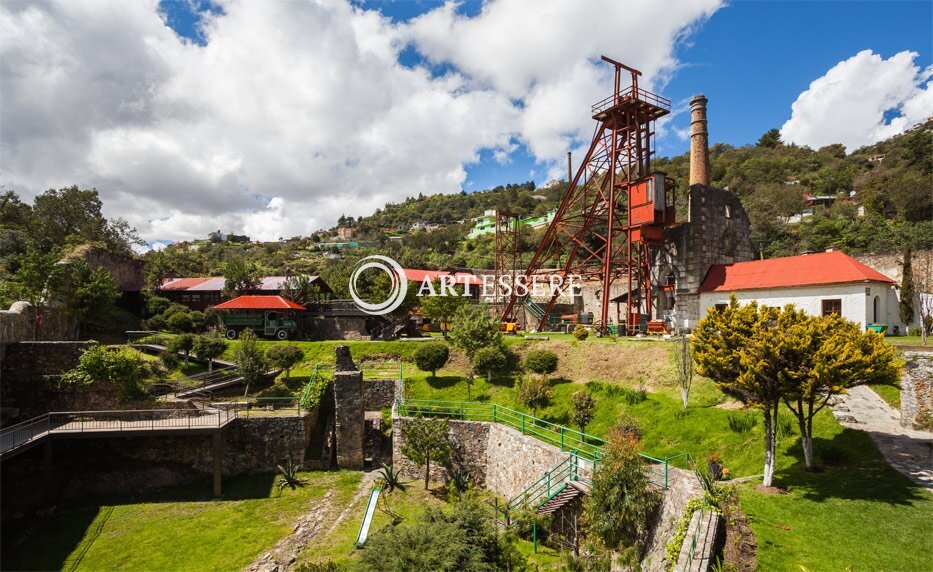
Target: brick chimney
[699, 142]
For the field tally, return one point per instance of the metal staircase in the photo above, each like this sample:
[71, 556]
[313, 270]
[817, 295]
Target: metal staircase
[390, 329]
[565, 495]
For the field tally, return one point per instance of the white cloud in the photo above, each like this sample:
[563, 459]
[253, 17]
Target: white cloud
[296, 112]
[848, 104]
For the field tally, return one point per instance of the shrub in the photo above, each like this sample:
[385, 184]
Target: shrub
[180, 322]
[534, 393]
[121, 368]
[157, 323]
[580, 332]
[285, 356]
[432, 357]
[156, 305]
[489, 360]
[542, 362]
[198, 321]
[182, 343]
[621, 502]
[174, 308]
[633, 396]
[741, 422]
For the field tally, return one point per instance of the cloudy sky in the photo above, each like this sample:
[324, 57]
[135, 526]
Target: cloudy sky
[274, 117]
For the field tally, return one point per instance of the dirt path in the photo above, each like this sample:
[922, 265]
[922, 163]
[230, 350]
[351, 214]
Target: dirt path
[324, 515]
[907, 450]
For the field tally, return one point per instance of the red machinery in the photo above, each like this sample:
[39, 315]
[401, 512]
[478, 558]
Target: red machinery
[615, 209]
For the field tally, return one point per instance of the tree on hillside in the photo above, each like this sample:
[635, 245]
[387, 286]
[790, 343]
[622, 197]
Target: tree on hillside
[249, 358]
[582, 408]
[724, 344]
[431, 357]
[209, 347]
[285, 356]
[88, 294]
[425, 440]
[821, 357]
[180, 322]
[183, 343]
[72, 216]
[621, 502]
[241, 277]
[534, 393]
[301, 290]
[473, 328]
[906, 305]
[771, 139]
[441, 307]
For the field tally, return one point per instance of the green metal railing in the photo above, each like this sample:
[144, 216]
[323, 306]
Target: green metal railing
[586, 446]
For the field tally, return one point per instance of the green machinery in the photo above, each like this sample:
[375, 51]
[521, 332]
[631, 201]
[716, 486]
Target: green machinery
[270, 323]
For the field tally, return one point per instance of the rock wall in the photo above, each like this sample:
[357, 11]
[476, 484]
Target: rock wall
[468, 440]
[22, 322]
[29, 374]
[682, 486]
[348, 408]
[917, 391]
[335, 328]
[891, 264]
[515, 461]
[717, 231]
[378, 394]
[497, 457]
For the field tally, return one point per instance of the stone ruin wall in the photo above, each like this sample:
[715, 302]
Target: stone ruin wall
[917, 391]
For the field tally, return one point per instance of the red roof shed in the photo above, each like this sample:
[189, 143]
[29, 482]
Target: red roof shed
[788, 272]
[259, 303]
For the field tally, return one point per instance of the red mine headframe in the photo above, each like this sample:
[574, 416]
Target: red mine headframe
[615, 209]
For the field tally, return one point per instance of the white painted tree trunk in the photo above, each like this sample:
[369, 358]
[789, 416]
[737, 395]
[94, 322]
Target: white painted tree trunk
[770, 422]
[807, 443]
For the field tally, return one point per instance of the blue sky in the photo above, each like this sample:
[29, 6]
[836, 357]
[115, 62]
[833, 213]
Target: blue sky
[751, 59]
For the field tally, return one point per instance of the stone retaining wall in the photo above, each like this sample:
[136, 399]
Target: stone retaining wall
[917, 391]
[378, 394]
[681, 487]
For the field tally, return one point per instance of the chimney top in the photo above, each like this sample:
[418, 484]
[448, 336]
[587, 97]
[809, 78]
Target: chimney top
[698, 98]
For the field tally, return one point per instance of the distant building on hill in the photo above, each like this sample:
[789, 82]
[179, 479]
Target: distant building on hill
[486, 224]
[218, 236]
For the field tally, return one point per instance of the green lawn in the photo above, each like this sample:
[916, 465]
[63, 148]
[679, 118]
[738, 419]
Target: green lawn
[904, 340]
[890, 393]
[178, 528]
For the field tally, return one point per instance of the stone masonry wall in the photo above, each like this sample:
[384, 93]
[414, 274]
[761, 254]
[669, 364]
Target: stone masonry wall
[716, 232]
[917, 390]
[497, 457]
[515, 461]
[468, 441]
[378, 394]
[29, 373]
[348, 407]
[22, 322]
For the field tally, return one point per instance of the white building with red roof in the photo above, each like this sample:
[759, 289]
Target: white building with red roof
[819, 284]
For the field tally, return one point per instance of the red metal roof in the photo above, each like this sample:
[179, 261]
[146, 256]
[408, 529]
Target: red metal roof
[259, 303]
[805, 270]
[216, 284]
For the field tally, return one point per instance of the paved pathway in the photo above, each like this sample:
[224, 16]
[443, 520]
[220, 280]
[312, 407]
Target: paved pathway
[907, 450]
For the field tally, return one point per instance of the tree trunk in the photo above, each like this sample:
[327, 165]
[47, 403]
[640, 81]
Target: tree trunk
[427, 472]
[287, 373]
[210, 365]
[770, 412]
[685, 393]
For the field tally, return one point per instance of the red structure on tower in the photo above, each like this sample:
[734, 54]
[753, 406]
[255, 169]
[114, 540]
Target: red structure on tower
[615, 209]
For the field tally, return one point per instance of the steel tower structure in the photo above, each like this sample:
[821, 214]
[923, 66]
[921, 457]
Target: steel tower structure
[615, 208]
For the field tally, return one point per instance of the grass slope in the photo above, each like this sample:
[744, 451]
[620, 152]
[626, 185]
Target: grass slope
[177, 528]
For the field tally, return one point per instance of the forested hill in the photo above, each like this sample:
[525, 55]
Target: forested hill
[892, 181]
